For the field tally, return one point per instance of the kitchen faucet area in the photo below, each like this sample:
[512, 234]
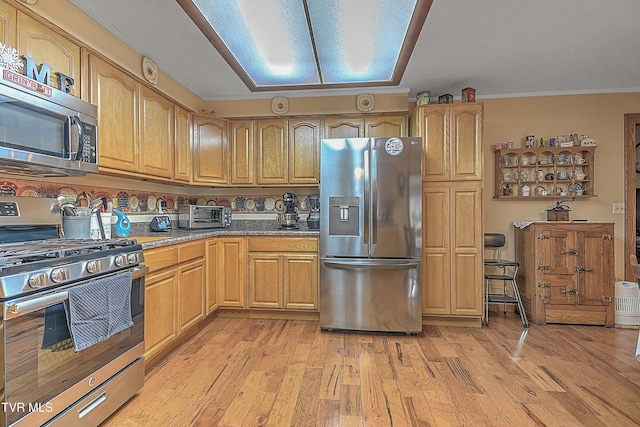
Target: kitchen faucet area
[311, 213]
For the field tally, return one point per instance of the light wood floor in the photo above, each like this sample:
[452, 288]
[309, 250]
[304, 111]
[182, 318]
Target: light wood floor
[252, 372]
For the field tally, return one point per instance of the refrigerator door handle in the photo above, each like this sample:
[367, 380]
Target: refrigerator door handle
[374, 195]
[366, 196]
[356, 265]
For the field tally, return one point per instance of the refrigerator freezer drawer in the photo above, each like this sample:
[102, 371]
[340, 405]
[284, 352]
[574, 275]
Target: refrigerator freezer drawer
[371, 295]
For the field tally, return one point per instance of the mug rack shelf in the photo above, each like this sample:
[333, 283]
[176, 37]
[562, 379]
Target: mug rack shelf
[545, 173]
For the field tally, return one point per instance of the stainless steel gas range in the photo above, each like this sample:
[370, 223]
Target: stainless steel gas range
[72, 314]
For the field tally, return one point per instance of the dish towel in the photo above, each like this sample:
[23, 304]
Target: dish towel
[522, 224]
[99, 309]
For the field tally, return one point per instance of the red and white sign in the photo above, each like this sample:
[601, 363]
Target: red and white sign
[26, 82]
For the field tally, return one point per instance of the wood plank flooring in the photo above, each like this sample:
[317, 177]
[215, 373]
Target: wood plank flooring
[254, 372]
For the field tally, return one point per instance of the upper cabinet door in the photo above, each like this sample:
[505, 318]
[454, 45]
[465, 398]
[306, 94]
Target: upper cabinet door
[271, 151]
[156, 134]
[304, 151]
[242, 164]
[182, 129]
[385, 126]
[8, 19]
[343, 128]
[210, 151]
[466, 142]
[45, 46]
[116, 95]
[452, 141]
[433, 127]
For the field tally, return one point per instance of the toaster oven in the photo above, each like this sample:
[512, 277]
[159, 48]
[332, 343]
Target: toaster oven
[196, 217]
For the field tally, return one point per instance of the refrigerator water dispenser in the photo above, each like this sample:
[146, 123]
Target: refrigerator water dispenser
[344, 216]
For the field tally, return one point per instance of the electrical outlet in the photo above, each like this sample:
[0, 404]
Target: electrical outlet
[618, 208]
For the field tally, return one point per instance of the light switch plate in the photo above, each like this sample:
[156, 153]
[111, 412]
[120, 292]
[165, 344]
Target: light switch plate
[618, 208]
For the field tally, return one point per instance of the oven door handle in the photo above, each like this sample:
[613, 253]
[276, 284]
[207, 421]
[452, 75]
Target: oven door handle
[19, 308]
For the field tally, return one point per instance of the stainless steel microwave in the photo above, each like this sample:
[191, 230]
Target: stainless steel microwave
[194, 216]
[44, 131]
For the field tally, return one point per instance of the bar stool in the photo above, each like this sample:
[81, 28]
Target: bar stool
[500, 270]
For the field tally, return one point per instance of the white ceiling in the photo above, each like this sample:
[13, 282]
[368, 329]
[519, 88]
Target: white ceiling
[499, 47]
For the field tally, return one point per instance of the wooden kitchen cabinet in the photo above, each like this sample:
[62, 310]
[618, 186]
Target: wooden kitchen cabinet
[156, 134]
[452, 278]
[566, 272]
[213, 265]
[47, 46]
[8, 24]
[365, 126]
[182, 126]
[117, 96]
[272, 147]
[161, 294]
[270, 152]
[304, 151]
[385, 126]
[210, 151]
[191, 284]
[232, 282]
[242, 152]
[452, 141]
[283, 273]
[174, 294]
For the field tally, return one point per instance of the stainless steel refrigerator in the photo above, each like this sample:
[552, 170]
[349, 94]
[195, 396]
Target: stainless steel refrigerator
[371, 234]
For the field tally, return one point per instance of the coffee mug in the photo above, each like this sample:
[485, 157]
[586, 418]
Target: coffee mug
[562, 175]
[524, 161]
[525, 190]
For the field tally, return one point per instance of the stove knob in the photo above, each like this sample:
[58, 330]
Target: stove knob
[38, 280]
[94, 266]
[13, 308]
[132, 258]
[59, 275]
[121, 260]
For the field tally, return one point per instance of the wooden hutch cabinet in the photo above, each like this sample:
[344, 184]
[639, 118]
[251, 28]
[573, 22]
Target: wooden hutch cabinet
[566, 272]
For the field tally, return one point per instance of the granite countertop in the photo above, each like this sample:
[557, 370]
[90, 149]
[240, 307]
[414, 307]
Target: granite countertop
[154, 239]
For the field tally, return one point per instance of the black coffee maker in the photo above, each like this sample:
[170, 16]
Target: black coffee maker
[313, 220]
[290, 215]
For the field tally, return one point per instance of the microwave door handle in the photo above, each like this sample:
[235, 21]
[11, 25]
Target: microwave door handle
[75, 149]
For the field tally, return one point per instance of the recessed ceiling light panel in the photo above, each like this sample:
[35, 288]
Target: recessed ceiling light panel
[305, 44]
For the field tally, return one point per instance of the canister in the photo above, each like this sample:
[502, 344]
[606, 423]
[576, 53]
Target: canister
[468, 94]
[447, 98]
[423, 98]
[76, 227]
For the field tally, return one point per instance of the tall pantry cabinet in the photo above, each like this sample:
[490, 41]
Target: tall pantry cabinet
[452, 260]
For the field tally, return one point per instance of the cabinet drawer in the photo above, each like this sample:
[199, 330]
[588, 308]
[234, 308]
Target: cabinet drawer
[288, 244]
[189, 251]
[159, 258]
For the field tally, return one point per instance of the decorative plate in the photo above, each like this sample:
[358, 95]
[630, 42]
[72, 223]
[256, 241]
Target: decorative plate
[69, 193]
[239, 203]
[224, 202]
[170, 203]
[250, 204]
[28, 192]
[201, 201]
[279, 205]
[134, 203]
[211, 202]
[149, 70]
[280, 105]
[364, 102]
[152, 202]
[269, 204]
[159, 200]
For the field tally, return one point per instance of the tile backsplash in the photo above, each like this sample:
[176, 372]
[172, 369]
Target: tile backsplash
[148, 202]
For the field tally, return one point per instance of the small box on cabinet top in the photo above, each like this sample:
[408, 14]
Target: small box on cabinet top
[447, 98]
[468, 94]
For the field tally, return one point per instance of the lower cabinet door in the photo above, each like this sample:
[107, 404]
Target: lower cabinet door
[160, 310]
[191, 279]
